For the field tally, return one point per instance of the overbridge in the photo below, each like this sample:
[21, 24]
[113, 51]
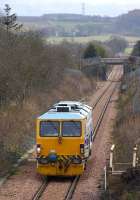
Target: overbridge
[108, 61]
[94, 66]
[114, 61]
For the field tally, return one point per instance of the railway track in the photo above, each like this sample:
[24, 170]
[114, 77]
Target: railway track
[99, 121]
[72, 188]
[72, 185]
[103, 93]
[100, 97]
[42, 188]
[75, 181]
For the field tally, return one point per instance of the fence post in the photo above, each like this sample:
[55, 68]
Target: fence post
[105, 184]
[134, 156]
[111, 157]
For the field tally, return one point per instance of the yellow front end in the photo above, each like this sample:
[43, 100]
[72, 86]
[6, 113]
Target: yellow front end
[49, 170]
[66, 149]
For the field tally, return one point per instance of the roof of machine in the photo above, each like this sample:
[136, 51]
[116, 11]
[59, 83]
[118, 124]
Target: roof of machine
[51, 115]
[67, 110]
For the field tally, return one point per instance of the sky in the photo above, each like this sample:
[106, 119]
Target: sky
[92, 7]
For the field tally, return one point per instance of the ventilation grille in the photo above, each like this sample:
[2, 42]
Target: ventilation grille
[72, 107]
[63, 108]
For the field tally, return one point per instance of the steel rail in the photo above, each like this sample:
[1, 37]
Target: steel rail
[103, 112]
[100, 97]
[41, 190]
[105, 106]
[72, 188]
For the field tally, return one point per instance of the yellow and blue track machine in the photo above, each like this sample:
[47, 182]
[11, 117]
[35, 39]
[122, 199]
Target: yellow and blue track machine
[64, 139]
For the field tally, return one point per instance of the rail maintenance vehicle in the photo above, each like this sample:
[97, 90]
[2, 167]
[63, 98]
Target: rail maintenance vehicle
[64, 138]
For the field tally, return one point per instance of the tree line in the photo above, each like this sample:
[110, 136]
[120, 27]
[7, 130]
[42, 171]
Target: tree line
[27, 62]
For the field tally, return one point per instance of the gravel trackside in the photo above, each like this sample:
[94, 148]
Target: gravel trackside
[22, 185]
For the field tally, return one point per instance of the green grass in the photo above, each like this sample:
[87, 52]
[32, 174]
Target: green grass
[128, 50]
[132, 38]
[57, 40]
[102, 38]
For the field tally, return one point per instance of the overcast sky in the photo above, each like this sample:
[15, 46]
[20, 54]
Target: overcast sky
[92, 7]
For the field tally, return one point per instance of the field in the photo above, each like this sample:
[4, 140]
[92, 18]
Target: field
[132, 38]
[102, 38]
[85, 39]
[128, 50]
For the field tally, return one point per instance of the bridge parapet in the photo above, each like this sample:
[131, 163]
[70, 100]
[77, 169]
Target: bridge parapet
[113, 61]
[109, 61]
[91, 61]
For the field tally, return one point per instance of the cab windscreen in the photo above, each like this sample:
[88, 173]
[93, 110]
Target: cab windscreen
[71, 129]
[49, 129]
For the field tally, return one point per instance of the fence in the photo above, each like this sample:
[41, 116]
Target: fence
[116, 168]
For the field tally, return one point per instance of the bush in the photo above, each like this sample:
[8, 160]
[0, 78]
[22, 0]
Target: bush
[95, 49]
[117, 44]
[136, 50]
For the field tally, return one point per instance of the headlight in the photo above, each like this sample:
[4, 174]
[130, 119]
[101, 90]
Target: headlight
[38, 148]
